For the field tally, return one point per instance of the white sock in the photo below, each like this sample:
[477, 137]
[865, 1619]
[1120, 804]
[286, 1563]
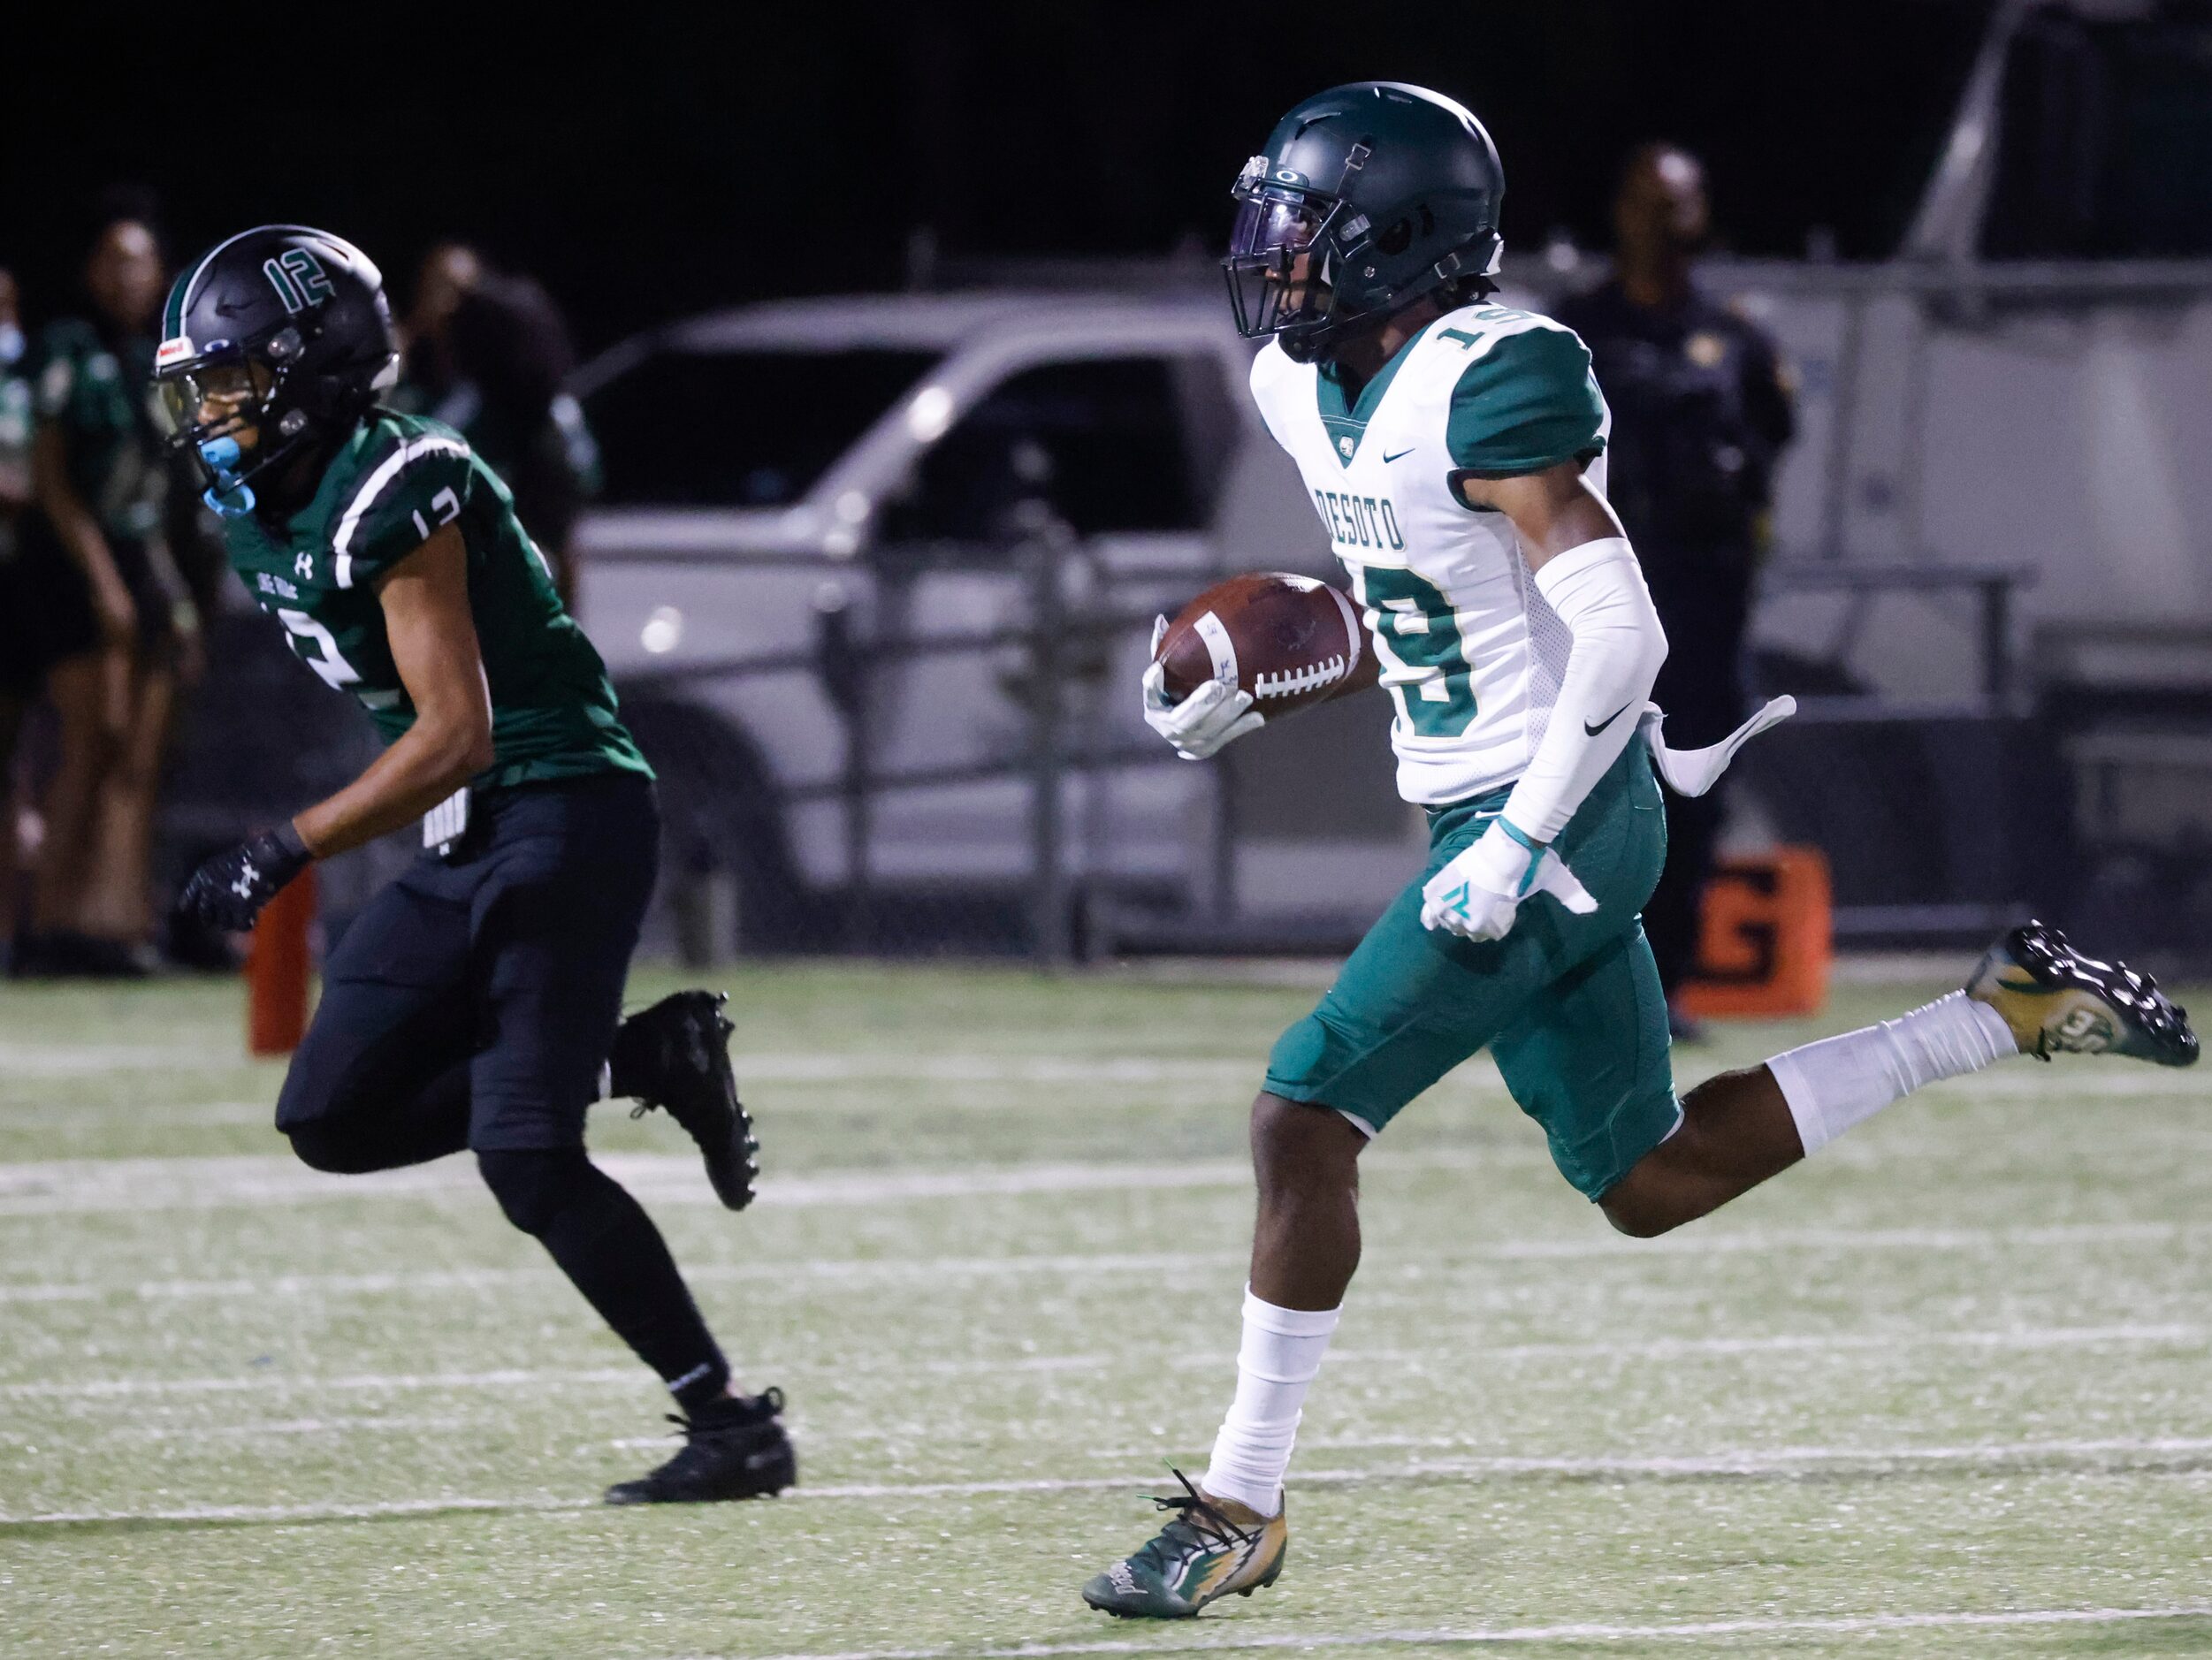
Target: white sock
[1276, 1363]
[1838, 1082]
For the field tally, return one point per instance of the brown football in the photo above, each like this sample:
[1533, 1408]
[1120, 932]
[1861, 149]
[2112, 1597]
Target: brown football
[1289, 641]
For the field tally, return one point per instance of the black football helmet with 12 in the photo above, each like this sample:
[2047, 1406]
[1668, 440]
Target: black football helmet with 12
[273, 342]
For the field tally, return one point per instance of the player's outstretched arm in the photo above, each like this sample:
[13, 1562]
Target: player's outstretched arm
[433, 640]
[1588, 573]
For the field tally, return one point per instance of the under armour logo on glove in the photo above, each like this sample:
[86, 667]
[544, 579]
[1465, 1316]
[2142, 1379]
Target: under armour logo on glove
[1478, 894]
[229, 890]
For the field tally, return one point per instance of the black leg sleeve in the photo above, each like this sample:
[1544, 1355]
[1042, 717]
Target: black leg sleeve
[606, 1245]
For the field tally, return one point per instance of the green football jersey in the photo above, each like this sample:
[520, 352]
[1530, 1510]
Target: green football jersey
[396, 481]
[96, 391]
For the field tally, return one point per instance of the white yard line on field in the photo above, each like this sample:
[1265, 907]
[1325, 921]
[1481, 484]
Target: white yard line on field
[82, 1186]
[927, 1270]
[79, 1060]
[2025, 1340]
[891, 1271]
[904, 1066]
[1785, 1461]
[2103, 1458]
[1687, 1631]
[1188, 1073]
[1779, 1460]
[86, 1060]
[341, 1424]
[2021, 1340]
[100, 1389]
[88, 1187]
[296, 1512]
[141, 1115]
[2082, 1080]
[93, 1186]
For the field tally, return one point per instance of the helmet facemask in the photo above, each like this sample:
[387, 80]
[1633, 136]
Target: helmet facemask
[1285, 254]
[225, 407]
[239, 411]
[1277, 268]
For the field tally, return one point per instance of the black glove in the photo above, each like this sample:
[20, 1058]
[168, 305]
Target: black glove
[229, 890]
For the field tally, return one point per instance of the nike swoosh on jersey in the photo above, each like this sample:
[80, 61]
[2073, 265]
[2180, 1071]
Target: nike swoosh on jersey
[1401, 454]
[1592, 731]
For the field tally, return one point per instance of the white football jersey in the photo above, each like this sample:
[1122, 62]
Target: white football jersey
[1470, 653]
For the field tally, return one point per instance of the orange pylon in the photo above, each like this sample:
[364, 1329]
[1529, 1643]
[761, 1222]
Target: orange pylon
[278, 966]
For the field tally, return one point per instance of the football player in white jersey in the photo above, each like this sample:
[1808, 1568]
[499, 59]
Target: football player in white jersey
[1455, 449]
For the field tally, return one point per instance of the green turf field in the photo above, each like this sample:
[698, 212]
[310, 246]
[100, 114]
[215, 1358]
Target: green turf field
[1947, 1391]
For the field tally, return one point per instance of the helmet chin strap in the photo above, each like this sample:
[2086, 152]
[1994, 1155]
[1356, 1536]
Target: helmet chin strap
[229, 495]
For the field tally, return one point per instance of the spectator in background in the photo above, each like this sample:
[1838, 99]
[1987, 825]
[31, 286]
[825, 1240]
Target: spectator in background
[449, 271]
[111, 626]
[1701, 412]
[19, 654]
[487, 353]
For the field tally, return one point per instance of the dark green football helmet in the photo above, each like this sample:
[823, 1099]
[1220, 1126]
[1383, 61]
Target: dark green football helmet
[1367, 198]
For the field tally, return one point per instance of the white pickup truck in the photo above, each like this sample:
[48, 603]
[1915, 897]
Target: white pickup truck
[880, 458]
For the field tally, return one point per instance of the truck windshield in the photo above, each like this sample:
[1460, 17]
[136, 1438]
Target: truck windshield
[739, 428]
[2105, 141]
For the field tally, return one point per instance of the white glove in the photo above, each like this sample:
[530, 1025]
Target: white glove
[1203, 721]
[1478, 892]
[1694, 771]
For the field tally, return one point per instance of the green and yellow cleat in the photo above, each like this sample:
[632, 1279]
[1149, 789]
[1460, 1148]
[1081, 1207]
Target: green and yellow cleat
[2057, 1000]
[1213, 1547]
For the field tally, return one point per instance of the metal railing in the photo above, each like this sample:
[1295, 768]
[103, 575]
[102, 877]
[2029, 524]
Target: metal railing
[1060, 743]
[1990, 587]
[847, 661]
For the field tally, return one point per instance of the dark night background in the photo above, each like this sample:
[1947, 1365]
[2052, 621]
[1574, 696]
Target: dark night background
[648, 168]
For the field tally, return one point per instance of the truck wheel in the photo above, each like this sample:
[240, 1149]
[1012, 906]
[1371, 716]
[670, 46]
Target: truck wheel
[722, 821]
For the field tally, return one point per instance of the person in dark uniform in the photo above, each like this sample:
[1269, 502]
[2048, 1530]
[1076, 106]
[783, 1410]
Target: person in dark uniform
[475, 1001]
[1701, 412]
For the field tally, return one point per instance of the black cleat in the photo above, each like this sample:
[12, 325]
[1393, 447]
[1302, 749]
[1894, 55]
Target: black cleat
[2057, 1000]
[735, 1449]
[675, 1054]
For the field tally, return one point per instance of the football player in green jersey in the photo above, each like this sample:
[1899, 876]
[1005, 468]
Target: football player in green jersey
[1455, 450]
[475, 1002]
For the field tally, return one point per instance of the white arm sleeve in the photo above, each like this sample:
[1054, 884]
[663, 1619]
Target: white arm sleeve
[1598, 591]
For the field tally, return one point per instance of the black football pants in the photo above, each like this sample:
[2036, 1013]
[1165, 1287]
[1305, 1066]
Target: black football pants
[472, 1004]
